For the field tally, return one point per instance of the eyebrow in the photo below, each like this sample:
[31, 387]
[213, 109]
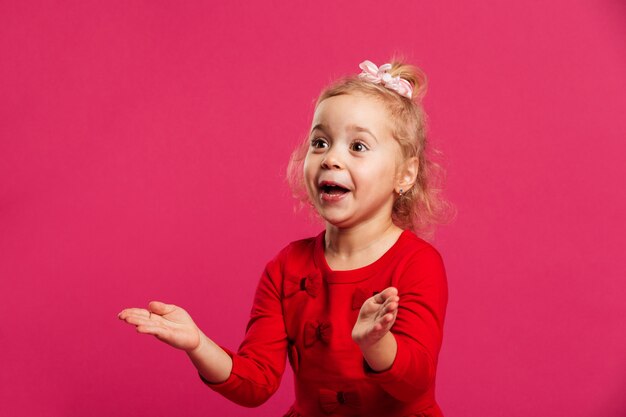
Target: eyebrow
[363, 129]
[318, 126]
[356, 128]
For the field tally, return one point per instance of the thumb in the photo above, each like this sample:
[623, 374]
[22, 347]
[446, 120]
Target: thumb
[160, 308]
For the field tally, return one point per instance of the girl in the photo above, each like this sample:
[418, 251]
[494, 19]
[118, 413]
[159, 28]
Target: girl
[358, 309]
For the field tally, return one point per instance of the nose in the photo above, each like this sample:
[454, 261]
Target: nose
[331, 160]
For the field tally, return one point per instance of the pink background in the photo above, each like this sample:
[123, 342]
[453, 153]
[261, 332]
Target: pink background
[142, 153]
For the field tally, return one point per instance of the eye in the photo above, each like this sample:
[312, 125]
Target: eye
[319, 143]
[358, 146]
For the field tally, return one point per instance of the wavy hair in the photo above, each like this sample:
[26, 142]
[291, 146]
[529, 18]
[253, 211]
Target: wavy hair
[422, 208]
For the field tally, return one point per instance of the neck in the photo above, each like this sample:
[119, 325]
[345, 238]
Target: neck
[344, 243]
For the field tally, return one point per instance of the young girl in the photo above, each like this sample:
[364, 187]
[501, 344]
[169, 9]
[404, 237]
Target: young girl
[358, 309]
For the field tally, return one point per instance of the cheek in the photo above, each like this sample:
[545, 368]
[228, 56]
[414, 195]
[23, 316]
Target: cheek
[306, 168]
[378, 172]
[308, 172]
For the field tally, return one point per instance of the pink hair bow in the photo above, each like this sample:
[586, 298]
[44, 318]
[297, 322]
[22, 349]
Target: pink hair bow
[380, 75]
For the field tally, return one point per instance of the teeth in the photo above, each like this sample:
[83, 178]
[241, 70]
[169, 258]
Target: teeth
[333, 189]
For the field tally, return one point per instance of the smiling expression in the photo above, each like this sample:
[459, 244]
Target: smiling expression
[351, 165]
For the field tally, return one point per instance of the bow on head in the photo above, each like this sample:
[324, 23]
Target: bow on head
[381, 75]
[331, 400]
[314, 331]
[310, 284]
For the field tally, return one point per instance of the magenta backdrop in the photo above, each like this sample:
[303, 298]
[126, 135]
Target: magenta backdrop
[142, 152]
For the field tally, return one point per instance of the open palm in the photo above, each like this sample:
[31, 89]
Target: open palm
[169, 323]
[376, 317]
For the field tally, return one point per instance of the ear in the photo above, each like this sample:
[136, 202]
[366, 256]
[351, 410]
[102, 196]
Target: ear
[407, 174]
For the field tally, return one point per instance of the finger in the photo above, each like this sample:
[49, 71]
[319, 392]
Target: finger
[161, 308]
[386, 318]
[384, 323]
[138, 312]
[153, 330]
[393, 299]
[387, 306]
[390, 292]
[385, 294]
[141, 321]
[390, 307]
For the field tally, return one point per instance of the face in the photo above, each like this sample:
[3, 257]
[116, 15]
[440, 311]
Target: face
[350, 167]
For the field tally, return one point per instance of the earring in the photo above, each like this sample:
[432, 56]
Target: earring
[400, 192]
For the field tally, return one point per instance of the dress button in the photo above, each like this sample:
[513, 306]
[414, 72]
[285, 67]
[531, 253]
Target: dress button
[340, 398]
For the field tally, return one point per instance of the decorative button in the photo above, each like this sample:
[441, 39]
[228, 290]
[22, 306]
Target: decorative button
[314, 331]
[331, 400]
[310, 284]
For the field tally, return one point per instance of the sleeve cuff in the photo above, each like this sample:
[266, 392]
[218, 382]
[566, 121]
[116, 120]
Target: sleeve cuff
[398, 368]
[230, 382]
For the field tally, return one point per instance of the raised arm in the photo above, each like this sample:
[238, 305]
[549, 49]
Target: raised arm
[174, 326]
[250, 375]
[371, 331]
[406, 331]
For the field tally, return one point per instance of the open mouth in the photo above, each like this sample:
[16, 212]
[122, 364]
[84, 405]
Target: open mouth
[332, 191]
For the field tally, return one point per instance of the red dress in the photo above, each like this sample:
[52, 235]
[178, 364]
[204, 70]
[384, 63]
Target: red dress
[304, 310]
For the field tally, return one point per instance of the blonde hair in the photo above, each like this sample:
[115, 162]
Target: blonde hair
[422, 207]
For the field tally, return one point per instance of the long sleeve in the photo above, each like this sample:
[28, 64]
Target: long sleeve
[259, 363]
[303, 307]
[418, 329]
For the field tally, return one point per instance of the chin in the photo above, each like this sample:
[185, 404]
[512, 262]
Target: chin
[338, 222]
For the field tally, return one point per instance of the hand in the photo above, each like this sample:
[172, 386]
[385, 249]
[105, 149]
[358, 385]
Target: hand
[376, 317]
[169, 323]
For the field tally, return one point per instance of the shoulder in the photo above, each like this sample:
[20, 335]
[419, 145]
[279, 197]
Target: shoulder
[292, 260]
[297, 248]
[419, 261]
[413, 248]
[298, 252]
